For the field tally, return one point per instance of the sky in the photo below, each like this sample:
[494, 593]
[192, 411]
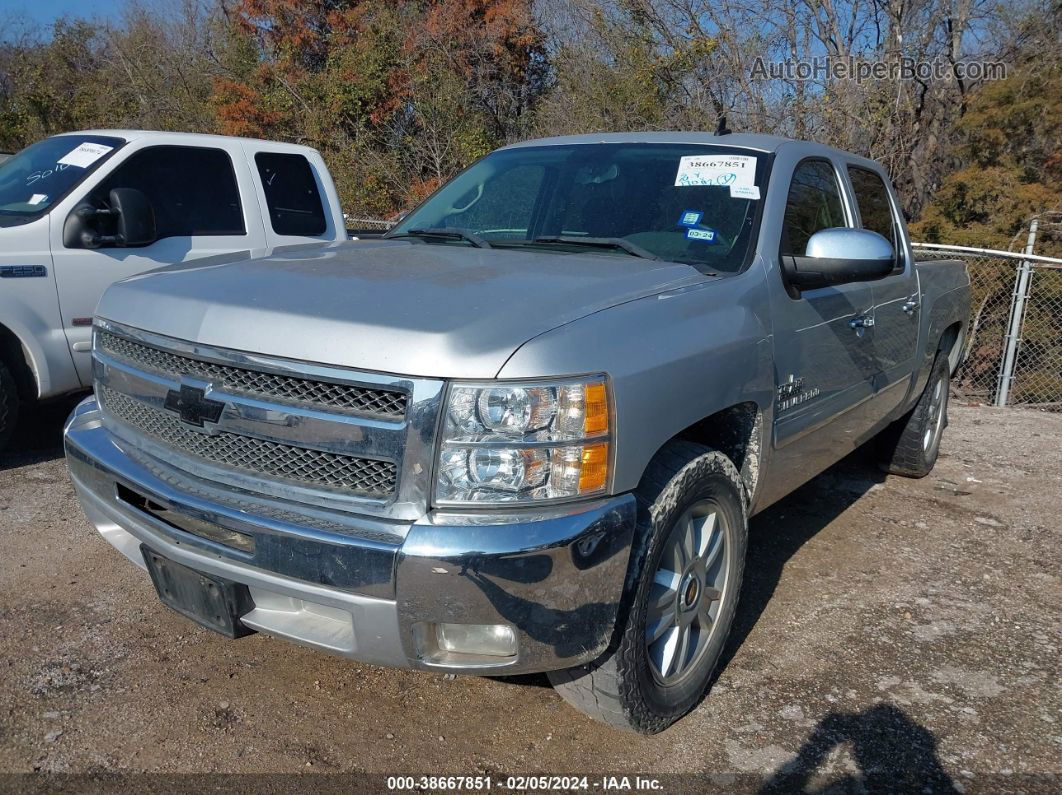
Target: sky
[41, 14]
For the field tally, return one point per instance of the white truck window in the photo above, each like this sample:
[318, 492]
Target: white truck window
[40, 175]
[291, 194]
[192, 190]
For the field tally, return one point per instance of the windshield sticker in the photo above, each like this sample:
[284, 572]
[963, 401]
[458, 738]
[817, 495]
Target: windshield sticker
[84, 155]
[721, 170]
[37, 198]
[744, 192]
[690, 218]
[704, 235]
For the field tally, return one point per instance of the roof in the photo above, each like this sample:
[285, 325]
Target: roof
[189, 138]
[762, 143]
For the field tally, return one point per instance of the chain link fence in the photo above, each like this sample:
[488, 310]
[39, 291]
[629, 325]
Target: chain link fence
[1013, 353]
[356, 226]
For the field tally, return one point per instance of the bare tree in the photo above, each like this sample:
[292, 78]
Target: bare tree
[698, 60]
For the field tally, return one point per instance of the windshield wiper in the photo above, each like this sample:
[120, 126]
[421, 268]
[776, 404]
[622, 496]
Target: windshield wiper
[446, 233]
[600, 242]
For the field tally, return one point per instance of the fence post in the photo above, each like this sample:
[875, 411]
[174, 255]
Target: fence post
[1017, 315]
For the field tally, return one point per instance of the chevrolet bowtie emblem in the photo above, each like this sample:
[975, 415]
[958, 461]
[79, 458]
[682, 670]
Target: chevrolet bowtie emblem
[192, 405]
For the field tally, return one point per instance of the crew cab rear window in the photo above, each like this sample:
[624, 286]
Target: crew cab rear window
[814, 203]
[291, 194]
[875, 210]
[191, 189]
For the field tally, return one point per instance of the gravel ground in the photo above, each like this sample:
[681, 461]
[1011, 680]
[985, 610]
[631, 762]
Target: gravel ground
[904, 628]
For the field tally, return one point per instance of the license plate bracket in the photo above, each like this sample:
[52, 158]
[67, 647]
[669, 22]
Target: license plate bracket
[212, 602]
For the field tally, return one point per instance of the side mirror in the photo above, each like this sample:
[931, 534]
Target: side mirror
[136, 217]
[129, 221]
[839, 256]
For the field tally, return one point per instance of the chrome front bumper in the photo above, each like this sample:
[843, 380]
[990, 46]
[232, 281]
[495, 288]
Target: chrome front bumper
[369, 589]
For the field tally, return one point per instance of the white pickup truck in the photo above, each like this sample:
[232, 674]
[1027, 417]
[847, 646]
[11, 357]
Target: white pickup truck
[81, 210]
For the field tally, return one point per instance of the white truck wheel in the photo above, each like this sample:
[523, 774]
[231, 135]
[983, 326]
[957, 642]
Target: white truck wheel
[9, 405]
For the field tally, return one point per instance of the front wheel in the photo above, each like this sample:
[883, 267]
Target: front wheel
[9, 405]
[689, 559]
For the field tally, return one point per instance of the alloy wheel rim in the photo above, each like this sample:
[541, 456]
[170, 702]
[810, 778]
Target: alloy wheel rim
[687, 592]
[936, 415]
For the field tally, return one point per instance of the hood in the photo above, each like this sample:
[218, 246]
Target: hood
[414, 309]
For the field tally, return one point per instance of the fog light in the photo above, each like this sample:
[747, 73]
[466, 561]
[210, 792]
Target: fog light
[496, 640]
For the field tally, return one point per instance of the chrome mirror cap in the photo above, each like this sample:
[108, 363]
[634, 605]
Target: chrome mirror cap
[849, 244]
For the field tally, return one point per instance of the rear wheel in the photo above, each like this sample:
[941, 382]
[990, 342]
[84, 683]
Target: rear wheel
[689, 562]
[910, 446]
[9, 405]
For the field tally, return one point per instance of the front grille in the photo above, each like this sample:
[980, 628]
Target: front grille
[312, 468]
[269, 386]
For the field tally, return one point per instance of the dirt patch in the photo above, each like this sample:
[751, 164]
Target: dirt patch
[888, 626]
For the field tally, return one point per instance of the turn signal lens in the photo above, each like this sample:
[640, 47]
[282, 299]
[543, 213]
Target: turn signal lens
[596, 417]
[594, 472]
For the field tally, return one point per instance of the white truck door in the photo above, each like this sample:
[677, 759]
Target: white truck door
[204, 202]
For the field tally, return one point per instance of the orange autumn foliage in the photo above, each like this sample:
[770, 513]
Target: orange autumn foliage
[419, 87]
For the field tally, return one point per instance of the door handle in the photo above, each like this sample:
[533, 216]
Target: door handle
[863, 321]
[910, 305]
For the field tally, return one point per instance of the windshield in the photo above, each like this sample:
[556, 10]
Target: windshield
[696, 204]
[42, 174]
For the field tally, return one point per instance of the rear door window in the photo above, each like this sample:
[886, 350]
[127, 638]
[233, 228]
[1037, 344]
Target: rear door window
[291, 193]
[875, 209]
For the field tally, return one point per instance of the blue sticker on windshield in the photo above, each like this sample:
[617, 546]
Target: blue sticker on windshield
[690, 218]
[704, 235]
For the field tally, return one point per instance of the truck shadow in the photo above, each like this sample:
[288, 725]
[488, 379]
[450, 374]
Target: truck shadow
[776, 534]
[774, 537]
[39, 435]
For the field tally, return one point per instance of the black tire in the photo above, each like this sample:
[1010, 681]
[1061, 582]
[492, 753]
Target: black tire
[9, 405]
[910, 445]
[624, 688]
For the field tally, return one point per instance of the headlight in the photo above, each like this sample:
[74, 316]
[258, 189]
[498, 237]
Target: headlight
[524, 442]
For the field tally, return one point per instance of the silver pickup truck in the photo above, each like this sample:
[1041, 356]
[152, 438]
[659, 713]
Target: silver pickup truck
[526, 430]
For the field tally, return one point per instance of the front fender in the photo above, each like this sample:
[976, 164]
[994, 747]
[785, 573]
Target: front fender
[673, 359]
[29, 308]
[44, 347]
